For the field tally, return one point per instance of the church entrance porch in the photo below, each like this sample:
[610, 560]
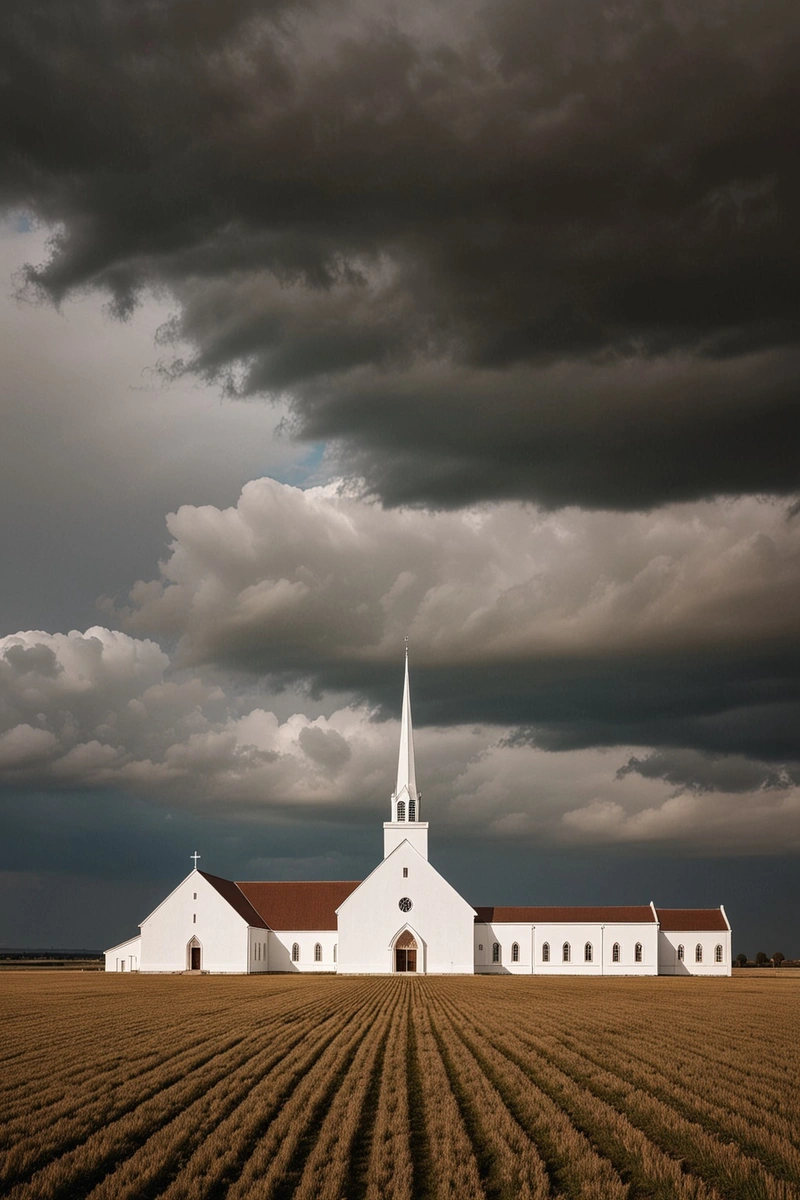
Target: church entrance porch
[195, 962]
[405, 953]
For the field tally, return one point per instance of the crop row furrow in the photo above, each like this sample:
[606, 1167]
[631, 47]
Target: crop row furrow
[575, 1165]
[270, 1165]
[574, 1115]
[455, 1174]
[716, 1158]
[114, 1091]
[762, 1134]
[332, 1161]
[73, 1126]
[259, 1085]
[721, 1165]
[390, 1168]
[705, 1064]
[507, 1157]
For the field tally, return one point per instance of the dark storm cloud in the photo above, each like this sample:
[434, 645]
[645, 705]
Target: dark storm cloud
[698, 772]
[522, 249]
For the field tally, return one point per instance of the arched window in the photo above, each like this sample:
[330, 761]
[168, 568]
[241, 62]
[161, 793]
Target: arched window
[401, 810]
[334, 952]
[546, 952]
[412, 809]
[565, 952]
[515, 952]
[698, 953]
[615, 952]
[295, 952]
[637, 952]
[318, 953]
[681, 953]
[718, 954]
[587, 952]
[496, 952]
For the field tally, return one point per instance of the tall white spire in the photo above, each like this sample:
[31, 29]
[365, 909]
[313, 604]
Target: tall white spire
[406, 825]
[406, 788]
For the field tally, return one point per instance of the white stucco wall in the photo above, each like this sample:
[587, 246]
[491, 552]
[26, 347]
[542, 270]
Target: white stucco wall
[413, 832]
[126, 956]
[670, 964]
[195, 909]
[280, 950]
[370, 919]
[532, 938]
[258, 954]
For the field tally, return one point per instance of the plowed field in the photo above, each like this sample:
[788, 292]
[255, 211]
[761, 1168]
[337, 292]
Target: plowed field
[306, 1087]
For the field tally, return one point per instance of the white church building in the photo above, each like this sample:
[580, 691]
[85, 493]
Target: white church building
[405, 917]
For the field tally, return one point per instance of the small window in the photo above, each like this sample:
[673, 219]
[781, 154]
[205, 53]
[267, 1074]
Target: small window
[615, 952]
[194, 895]
[546, 952]
[637, 952]
[718, 954]
[412, 810]
[587, 952]
[565, 952]
[334, 951]
[698, 953]
[401, 810]
[480, 945]
[496, 952]
[318, 953]
[515, 952]
[405, 872]
[681, 953]
[295, 952]
[194, 918]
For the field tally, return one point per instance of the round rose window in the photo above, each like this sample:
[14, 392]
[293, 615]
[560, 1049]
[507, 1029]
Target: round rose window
[405, 904]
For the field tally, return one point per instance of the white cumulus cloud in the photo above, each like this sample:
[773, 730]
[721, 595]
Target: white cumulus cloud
[293, 579]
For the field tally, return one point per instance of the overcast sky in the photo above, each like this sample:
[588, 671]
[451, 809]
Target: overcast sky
[326, 323]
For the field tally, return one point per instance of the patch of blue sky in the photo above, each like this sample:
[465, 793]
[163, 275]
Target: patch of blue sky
[309, 471]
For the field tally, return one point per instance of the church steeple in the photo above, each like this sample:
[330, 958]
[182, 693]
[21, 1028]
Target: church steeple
[405, 801]
[405, 824]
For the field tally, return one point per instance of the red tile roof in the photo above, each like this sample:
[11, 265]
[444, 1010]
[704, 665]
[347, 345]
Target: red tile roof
[298, 905]
[230, 892]
[619, 913]
[704, 920]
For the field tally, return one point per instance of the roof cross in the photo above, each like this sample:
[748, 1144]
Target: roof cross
[195, 856]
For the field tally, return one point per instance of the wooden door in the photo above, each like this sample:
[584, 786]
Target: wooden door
[195, 958]
[405, 953]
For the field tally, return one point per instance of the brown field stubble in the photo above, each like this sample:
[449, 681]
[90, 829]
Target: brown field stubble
[323, 1088]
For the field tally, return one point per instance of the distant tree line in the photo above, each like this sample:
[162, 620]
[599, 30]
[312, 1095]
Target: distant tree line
[761, 959]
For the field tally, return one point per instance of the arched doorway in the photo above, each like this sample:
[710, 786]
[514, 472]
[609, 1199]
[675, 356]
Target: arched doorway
[405, 952]
[194, 955]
